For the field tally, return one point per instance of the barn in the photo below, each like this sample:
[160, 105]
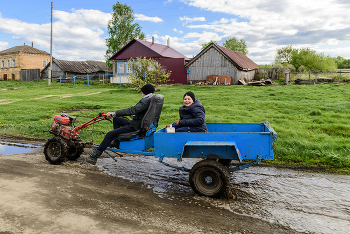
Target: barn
[220, 61]
[169, 58]
[75, 68]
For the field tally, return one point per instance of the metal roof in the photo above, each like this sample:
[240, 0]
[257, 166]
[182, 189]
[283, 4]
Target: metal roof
[83, 67]
[162, 50]
[24, 49]
[237, 58]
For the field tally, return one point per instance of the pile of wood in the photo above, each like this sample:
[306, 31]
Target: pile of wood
[262, 82]
[218, 80]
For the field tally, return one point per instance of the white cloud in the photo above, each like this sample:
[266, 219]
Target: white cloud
[92, 19]
[178, 31]
[188, 49]
[287, 22]
[3, 45]
[189, 20]
[142, 17]
[185, 18]
[76, 36]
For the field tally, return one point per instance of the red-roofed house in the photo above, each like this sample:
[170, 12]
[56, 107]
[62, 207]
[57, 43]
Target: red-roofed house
[218, 60]
[169, 58]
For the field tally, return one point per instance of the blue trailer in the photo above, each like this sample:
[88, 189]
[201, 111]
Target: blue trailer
[217, 148]
[222, 144]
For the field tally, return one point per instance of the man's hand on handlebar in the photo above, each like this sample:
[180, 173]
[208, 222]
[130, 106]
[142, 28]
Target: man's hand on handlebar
[109, 114]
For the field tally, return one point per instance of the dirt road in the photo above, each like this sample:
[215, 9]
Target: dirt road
[37, 197]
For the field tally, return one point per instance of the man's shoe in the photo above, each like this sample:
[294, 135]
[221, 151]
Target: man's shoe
[92, 158]
[88, 159]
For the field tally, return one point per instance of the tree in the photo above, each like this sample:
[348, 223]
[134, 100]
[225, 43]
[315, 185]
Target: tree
[236, 45]
[206, 44]
[121, 29]
[342, 63]
[312, 61]
[146, 71]
[284, 54]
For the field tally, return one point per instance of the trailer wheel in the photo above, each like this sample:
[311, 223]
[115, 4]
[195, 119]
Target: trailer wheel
[55, 150]
[209, 178]
[225, 162]
[73, 153]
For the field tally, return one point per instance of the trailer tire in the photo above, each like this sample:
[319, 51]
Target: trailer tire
[225, 162]
[73, 153]
[55, 150]
[210, 178]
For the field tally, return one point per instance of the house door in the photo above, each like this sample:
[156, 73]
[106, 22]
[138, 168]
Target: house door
[5, 76]
[13, 76]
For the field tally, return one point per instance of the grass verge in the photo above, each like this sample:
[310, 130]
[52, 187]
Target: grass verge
[312, 121]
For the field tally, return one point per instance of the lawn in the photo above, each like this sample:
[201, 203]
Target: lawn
[312, 121]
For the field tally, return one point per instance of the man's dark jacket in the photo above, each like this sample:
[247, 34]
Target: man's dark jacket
[137, 112]
[193, 116]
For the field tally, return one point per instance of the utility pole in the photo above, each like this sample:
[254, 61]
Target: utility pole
[50, 69]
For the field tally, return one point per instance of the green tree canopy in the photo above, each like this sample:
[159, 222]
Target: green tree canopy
[284, 54]
[342, 63]
[121, 29]
[312, 61]
[236, 45]
[206, 44]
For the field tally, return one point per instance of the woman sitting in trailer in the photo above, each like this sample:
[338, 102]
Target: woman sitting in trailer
[192, 115]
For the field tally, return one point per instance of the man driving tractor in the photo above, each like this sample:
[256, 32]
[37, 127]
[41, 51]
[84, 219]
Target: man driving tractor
[123, 125]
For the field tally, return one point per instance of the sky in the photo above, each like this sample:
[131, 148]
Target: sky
[80, 27]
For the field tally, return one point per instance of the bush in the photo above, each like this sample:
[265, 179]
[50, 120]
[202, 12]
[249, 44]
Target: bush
[147, 71]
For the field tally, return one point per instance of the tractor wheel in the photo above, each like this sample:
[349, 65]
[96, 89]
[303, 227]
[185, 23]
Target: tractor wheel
[74, 152]
[55, 150]
[209, 178]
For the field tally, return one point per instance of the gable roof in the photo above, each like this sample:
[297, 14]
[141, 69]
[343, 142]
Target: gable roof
[82, 67]
[235, 57]
[24, 49]
[160, 50]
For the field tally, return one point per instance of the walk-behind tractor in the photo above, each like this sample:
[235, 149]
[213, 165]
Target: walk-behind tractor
[67, 143]
[222, 144]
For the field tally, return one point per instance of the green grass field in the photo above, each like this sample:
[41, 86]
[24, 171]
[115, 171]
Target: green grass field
[312, 121]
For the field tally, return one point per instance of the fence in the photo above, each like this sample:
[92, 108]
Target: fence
[338, 76]
[104, 78]
[30, 74]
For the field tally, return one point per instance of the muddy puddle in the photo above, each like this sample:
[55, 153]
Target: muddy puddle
[18, 146]
[305, 202]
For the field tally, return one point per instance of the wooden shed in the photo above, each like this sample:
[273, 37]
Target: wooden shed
[169, 58]
[74, 68]
[218, 60]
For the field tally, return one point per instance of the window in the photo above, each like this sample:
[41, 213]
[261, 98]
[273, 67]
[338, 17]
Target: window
[8, 63]
[13, 63]
[2, 63]
[44, 63]
[128, 68]
[120, 67]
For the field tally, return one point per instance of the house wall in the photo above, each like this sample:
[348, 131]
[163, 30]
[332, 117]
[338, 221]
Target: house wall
[22, 61]
[56, 72]
[175, 65]
[214, 63]
[177, 68]
[120, 77]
